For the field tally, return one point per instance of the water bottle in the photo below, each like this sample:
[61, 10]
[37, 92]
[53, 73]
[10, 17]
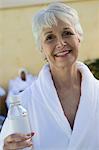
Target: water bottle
[18, 117]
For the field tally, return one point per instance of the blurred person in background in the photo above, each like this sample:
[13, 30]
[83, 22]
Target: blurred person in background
[20, 83]
[3, 107]
[23, 80]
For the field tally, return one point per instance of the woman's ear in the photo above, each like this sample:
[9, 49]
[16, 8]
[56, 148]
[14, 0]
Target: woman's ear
[41, 49]
[43, 55]
[79, 39]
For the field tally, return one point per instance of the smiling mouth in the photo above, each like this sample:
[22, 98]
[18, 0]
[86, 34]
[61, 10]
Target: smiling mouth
[63, 53]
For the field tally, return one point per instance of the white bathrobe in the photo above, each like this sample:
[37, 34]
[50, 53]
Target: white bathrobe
[51, 127]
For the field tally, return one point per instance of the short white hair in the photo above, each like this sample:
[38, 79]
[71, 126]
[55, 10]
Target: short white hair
[48, 17]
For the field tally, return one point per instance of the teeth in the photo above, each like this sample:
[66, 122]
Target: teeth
[62, 53]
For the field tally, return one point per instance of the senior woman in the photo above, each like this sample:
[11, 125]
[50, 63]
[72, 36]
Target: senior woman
[63, 103]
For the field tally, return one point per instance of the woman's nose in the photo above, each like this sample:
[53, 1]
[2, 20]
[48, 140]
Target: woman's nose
[60, 43]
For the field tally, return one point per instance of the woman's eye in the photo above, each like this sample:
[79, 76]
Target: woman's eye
[50, 37]
[67, 34]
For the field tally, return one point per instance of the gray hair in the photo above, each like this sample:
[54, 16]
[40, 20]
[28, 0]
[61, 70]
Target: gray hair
[48, 17]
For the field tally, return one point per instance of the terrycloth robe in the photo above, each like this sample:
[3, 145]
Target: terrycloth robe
[47, 119]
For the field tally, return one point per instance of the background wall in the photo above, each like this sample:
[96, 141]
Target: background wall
[17, 47]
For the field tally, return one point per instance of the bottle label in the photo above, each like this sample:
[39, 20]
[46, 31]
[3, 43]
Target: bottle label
[20, 124]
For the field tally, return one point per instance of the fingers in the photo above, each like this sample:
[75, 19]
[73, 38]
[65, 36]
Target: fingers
[18, 137]
[18, 145]
[18, 141]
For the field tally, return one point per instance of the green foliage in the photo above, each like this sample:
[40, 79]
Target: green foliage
[93, 66]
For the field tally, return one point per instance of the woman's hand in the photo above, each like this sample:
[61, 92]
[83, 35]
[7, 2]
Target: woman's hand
[18, 141]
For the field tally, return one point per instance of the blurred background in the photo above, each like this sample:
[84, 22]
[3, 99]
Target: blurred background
[17, 48]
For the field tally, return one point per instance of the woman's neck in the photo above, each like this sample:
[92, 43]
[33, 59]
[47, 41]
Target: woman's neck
[66, 78]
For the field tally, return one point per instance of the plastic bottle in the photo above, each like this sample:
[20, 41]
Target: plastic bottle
[18, 117]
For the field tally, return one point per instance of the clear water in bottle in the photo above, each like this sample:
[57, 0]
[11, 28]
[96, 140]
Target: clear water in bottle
[18, 117]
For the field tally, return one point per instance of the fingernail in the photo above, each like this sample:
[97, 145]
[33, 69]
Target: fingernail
[32, 133]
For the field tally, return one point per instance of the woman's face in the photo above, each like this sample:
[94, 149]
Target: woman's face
[60, 44]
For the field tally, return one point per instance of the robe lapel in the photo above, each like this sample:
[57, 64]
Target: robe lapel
[52, 102]
[85, 110]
